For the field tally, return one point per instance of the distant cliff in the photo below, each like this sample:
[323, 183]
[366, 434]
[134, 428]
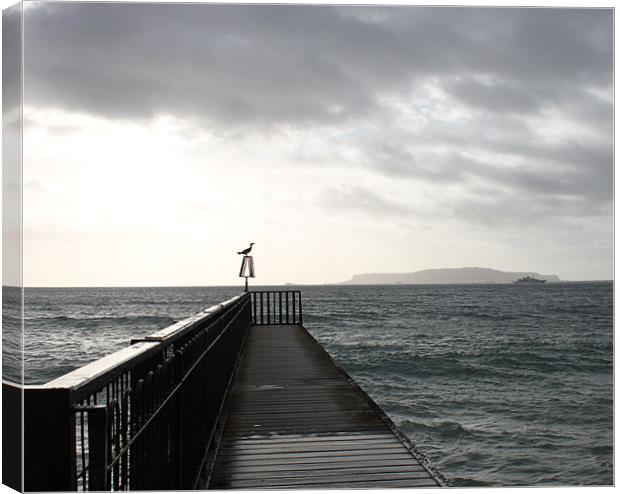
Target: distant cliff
[450, 275]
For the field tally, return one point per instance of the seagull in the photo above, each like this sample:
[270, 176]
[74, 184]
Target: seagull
[246, 251]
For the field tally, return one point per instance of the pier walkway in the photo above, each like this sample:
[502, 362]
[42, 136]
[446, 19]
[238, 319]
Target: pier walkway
[297, 420]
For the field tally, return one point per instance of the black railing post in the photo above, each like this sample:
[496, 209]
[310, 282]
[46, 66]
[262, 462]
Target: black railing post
[178, 412]
[49, 440]
[98, 448]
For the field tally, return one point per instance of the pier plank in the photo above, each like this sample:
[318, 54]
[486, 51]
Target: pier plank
[308, 447]
[320, 472]
[333, 464]
[296, 420]
[328, 480]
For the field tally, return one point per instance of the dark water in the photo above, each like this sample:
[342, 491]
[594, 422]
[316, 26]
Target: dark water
[498, 384]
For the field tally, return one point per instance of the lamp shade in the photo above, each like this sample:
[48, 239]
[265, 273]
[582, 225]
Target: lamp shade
[247, 267]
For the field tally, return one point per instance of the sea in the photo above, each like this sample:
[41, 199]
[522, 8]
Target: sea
[498, 384]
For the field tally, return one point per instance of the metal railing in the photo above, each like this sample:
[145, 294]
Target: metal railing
[276, 307]
[142, 418]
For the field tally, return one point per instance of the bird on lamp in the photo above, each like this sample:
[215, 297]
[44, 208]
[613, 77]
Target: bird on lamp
[245, 252]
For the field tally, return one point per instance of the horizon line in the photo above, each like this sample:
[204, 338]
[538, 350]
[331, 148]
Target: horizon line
[301, 284]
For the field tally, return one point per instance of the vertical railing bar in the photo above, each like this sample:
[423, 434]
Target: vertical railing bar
[301, 312]
[286, 302]
[97, 449]
[117, 420]
[280, 306]
[83, 450]
[261, 308]
[124, 422]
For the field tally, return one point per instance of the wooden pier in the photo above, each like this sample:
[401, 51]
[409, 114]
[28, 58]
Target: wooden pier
[297, 420]
[238, 396]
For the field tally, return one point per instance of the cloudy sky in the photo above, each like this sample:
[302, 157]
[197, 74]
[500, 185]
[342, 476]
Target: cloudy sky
[160, 139]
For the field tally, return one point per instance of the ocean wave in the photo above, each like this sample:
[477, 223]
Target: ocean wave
[445, 428]
[452, 364]
[98, 318]
[602, 450]
[469, 482]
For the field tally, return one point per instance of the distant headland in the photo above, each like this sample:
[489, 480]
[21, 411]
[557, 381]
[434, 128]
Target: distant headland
[447, 275]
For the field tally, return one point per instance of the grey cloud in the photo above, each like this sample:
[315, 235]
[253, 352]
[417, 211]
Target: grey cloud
[297, 64]
[510, 212]
[496, 97]
[394, 159]
[228, 64]
[587, 165]
[361, 200]
[544, 188]
[577, 171]
[519, 99]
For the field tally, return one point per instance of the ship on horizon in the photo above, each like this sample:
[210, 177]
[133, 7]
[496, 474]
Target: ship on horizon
[529, 279]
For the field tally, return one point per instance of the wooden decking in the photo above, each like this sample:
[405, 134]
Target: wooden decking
[297, 420]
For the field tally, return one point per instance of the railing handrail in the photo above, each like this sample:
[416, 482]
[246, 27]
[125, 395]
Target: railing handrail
[179, 329]
[106, 367]
[275, 291]
[90, 376]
